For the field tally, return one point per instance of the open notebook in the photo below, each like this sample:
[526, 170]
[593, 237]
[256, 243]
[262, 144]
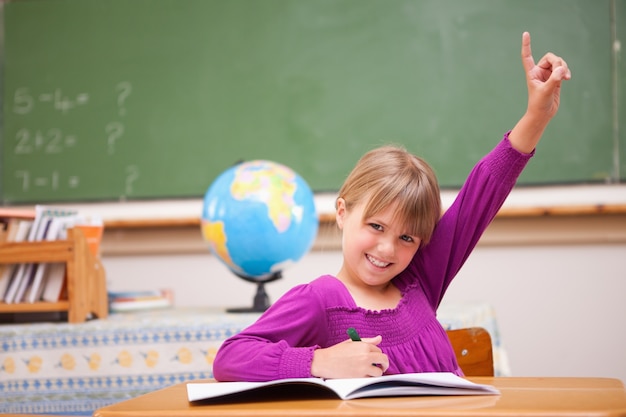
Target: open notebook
[429, 383]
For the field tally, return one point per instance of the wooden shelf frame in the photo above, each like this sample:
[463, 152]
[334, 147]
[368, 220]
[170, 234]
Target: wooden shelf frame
[85, 275]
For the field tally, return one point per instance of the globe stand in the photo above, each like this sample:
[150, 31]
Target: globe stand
[261, 301]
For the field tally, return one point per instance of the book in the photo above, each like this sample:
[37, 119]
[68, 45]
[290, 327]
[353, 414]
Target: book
[412, 384]
[23, 229]
[53, 282]
[134, 305]
[24, 275]
[6, 270]
[54, 276]
[13, 226]
[33, 270]
[35, 291]
[139, 300]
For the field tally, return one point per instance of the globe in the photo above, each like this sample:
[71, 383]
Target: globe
[259, 218]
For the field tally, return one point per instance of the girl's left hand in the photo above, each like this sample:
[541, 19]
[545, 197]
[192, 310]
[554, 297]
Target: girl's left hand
[543, 80]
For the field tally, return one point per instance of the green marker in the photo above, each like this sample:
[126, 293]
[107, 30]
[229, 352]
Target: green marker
[354, 336]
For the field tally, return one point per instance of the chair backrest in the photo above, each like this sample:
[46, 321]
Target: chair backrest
[473, 350]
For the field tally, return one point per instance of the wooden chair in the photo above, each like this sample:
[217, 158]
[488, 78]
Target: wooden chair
[473, 350]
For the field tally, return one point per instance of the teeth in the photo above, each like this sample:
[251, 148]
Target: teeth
[376, 262]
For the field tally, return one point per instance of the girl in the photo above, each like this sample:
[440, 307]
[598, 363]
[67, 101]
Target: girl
[399, 256]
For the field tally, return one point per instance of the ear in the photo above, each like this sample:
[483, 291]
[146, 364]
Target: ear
[340, 212]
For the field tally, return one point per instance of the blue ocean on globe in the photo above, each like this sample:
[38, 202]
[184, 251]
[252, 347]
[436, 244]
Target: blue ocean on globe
[258, 218]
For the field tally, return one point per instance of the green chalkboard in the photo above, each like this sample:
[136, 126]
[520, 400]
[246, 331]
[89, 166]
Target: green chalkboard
[140, 99]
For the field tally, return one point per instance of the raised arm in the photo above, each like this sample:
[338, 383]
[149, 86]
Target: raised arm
[543, 81]
[491, 180]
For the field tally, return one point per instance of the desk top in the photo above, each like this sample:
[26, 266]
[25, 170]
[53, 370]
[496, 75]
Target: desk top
[519, 396]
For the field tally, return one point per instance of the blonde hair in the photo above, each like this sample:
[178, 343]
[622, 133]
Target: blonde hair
[391, 175]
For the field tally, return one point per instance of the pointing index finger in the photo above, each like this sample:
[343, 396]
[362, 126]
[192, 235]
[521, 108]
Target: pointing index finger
[527, 57]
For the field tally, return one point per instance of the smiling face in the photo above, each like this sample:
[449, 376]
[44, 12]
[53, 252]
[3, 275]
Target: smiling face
[388, 205]
[375, 248]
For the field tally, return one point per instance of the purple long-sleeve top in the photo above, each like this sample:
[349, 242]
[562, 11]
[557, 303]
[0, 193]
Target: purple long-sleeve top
[280, 344]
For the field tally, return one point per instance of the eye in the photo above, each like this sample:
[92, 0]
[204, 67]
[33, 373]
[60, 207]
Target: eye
[407, 238]
[376, 226]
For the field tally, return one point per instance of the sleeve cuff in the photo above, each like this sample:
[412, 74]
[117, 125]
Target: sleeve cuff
[505, 161]
[296, 362]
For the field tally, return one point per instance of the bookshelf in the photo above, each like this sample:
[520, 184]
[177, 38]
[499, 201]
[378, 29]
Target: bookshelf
[85, 275]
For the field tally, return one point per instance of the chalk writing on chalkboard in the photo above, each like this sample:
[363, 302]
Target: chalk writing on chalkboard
[49, 141]
[24, 102]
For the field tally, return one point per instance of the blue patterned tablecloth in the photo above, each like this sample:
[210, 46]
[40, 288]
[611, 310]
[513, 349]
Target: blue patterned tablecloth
[61, 368]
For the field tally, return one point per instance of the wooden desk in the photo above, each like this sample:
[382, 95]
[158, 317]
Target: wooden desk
[519, 397]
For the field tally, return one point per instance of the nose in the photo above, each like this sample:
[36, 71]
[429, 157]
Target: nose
[387, 248]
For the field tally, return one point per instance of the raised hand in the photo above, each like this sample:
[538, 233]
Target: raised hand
[543, 81]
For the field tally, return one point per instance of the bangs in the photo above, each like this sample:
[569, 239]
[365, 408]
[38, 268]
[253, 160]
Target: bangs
[391, 177]
[416, 202]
